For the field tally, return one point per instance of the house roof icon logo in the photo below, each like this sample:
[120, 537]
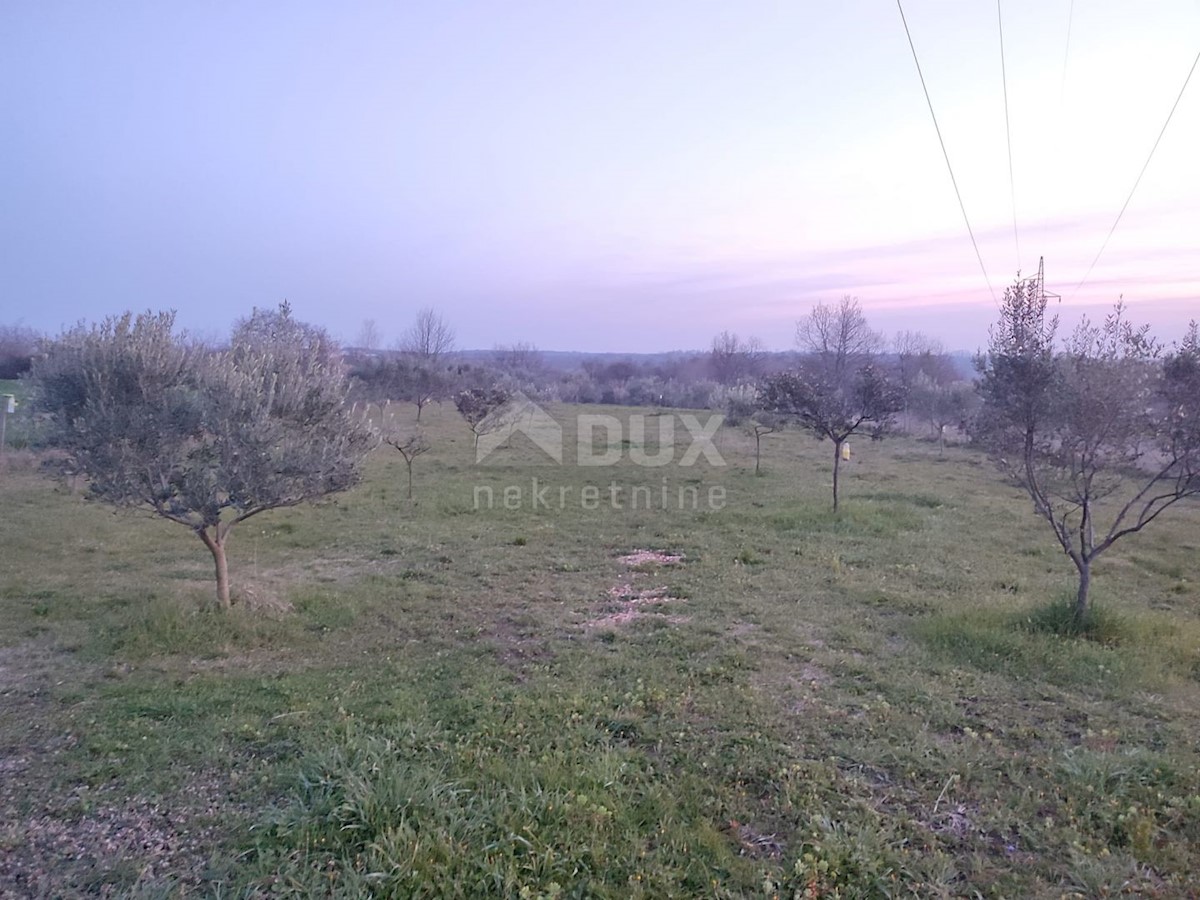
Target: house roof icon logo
[519, 415]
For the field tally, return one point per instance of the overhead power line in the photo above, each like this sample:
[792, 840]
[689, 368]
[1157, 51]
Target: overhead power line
[1145, 166]
[946, 155]
[1062, 91]
[1012, 184]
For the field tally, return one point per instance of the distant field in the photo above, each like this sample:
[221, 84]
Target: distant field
[436, 700]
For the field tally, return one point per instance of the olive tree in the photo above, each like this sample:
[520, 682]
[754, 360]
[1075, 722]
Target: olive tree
[406, 378]
[918, 358]
[421, 373]
[837, 391]
[479, 407]
[943, 404]
[203, 438]
[862, 402]
[18, 345]
[1102, 434]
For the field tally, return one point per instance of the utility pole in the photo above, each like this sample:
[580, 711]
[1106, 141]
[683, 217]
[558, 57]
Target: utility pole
[1039, 282]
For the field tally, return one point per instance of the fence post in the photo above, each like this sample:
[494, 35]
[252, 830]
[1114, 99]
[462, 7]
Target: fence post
[8, 404]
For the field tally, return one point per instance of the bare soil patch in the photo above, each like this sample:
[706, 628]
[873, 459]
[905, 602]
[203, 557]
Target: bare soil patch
[59, 839]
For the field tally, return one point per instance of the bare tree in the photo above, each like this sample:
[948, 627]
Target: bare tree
[521, 360]
[757, 422]
[732, 360]
[429, 340]
[409, 446]
[206, 439]
[760, 426]
[369, 336]
[1104, 435]
[838, 339]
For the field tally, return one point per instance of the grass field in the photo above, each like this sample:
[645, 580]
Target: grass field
[429, 699]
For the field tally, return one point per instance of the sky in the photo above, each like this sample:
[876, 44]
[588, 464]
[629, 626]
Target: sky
[596, 176]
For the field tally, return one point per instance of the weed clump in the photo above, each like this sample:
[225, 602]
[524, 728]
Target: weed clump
[1098, 623]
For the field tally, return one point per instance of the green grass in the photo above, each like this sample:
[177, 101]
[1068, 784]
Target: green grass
[429, 699]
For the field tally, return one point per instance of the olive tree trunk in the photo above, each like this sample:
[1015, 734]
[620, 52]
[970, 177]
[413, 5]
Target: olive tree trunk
[215, 543]
[1085, 582]
[837, 462]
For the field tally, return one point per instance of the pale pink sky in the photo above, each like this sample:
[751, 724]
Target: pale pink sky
[597, 176]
